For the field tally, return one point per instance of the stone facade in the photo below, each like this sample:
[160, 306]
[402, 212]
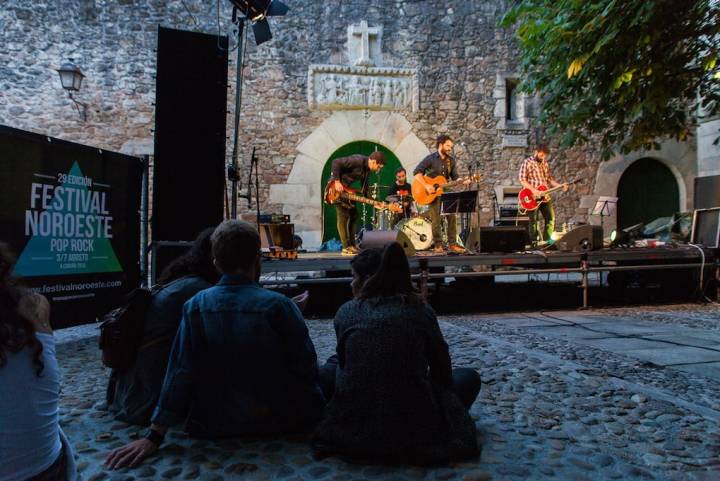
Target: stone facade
[450, 59]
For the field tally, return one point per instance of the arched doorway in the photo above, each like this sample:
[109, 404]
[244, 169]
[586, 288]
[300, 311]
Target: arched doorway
[647, 190]
[385, 178]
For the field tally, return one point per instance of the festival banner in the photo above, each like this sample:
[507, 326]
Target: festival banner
[71, 213]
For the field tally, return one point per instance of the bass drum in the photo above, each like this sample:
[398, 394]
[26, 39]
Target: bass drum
[419, 231]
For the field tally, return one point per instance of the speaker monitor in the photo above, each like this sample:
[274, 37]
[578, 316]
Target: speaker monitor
[380, 238]
[583, 238]
[498, 239]
[706, 227]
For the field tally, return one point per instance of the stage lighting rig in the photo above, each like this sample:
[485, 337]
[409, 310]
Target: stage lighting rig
[257, 12]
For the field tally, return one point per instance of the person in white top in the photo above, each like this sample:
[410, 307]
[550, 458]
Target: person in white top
[32, 445]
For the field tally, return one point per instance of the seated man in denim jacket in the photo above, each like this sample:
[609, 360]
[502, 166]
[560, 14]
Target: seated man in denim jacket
[242, 363]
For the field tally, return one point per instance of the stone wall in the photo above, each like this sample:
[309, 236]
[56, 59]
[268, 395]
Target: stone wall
[462, 57]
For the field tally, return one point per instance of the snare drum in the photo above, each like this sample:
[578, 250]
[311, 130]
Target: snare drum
[419, 231]
[422, 210]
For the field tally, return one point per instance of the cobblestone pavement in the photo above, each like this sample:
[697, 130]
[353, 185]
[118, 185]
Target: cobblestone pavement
[550, 408]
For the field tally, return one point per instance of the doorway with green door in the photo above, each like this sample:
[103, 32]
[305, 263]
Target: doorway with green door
[383, 179]
[647, 190]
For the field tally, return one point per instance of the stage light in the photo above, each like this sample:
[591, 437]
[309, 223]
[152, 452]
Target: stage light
[627, 235]
[257, 12]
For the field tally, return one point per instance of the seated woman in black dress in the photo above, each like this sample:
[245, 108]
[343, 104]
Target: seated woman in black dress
[396, 397]
[133, 394]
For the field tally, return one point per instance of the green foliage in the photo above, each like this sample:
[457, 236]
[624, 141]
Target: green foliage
[630, 72]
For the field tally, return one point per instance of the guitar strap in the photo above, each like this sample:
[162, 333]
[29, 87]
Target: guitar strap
[448, 167]
[366, 178]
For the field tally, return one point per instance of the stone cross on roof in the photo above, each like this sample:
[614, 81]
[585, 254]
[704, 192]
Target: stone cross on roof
[363, 57]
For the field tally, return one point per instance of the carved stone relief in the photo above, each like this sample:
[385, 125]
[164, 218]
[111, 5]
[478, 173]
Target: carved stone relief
[364, 84]
[340, 87]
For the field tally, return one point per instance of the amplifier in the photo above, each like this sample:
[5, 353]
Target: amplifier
[277, 235]
[508, 211]
[498, 239]
[706, 227]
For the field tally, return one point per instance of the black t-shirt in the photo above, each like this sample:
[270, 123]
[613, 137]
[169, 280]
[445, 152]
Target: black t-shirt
[404, 190]
[399, 190]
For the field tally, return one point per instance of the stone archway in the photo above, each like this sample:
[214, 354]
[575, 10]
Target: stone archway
[679, 158]
[300, 196]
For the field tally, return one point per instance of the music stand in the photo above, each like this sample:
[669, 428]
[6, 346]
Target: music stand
[604, 207]
[458, 202]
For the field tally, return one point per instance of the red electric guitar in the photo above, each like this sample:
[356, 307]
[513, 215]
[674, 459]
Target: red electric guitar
[527, 201]
[348, 195]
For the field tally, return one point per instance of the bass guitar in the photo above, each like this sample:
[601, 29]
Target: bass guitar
[528, 202]
[348, 195]
[439, 183]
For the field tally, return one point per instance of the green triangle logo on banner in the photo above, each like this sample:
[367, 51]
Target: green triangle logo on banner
[70, 236]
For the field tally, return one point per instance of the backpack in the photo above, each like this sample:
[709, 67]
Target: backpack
[121, 329]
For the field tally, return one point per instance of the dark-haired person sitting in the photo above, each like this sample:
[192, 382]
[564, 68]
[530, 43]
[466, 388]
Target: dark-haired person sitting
[242, 363]
[396, 397]
[32, 445]
[133, 394]
[362, 266]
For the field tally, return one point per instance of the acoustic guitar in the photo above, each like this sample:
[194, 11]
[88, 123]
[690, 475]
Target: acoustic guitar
[528, 202]
[348, 196]
[440, 183]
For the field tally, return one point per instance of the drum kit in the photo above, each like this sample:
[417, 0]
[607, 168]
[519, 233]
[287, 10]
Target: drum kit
[414, 222]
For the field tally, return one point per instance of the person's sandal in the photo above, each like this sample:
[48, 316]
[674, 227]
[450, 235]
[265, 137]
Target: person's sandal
[456, 249]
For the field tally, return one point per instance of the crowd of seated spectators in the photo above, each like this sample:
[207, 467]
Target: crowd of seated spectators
[223, 357]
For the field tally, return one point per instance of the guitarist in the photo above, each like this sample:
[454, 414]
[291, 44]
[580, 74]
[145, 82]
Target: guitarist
[534, 172]
[442, 163]
[345, 171]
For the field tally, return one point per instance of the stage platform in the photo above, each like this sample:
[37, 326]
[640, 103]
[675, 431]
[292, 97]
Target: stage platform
[333, 268]
[334, 262]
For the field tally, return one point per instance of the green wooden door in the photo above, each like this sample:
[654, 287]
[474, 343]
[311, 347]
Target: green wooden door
[386, 177]
[647, 190]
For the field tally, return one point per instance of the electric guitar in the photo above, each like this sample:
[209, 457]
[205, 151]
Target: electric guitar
[348, 195]
[440, 183]
[528, 202]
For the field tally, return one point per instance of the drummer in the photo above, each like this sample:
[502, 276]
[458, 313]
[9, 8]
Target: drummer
[400, 192]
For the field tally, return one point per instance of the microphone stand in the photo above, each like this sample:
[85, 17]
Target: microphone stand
[248, 195]
[254, 160]
[473, 168]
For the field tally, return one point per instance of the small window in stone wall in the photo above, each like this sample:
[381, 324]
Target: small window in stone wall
[512, 110]
[512, 107]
